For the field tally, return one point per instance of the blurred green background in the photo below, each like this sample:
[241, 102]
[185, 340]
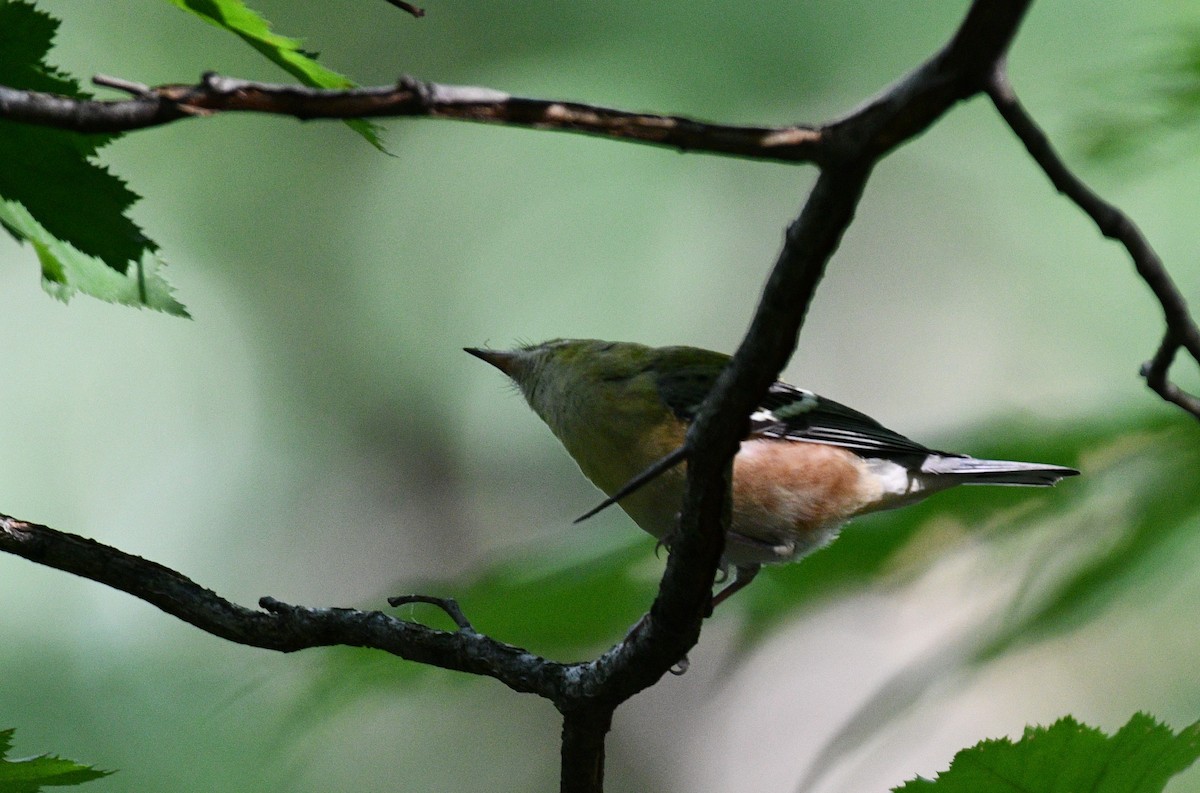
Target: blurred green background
[315, 433]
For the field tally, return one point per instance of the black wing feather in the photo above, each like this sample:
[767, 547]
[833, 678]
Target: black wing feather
[799, 415]
[786, 412]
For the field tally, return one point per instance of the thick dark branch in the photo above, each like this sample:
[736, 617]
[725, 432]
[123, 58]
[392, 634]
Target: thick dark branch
[583, 733]
[282, 627]
[214, 94]
[908, 107]
[1181, 329]
[857, 142]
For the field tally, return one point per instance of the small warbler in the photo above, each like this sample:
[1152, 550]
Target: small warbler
[807, 466]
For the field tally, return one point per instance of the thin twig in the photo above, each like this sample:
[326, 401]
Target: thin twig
[653, 471]
[854, 144]
[140, 90]
[846, 150]
[409, 7]
[409, 97]
[1115, 224]
[448, 605]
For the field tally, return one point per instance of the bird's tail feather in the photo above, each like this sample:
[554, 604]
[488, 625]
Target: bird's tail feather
[970, 471]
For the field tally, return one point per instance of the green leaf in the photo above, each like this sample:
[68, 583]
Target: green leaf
[55, 197]
[1161, 103]
[1069, 757]
[32, 774]
[287, 53]
[1133, 485]
[1107, 532]
[66, 270]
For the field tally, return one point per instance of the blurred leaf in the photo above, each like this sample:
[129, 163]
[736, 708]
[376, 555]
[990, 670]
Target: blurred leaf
[911, 538]
[1164, 101]
[53, 194]
[1069, 757]
[1136, 462]
[560, 610]
[567, 611]
[1095, 539]
[248, 25]
[34, 773]
[1134, 511]
[544, 608]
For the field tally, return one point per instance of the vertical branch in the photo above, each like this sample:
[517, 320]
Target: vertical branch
[583, 734]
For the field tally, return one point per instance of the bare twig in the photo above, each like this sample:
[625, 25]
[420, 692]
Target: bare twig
[1181, 330]
[855, 143]
[654, 470]
[408, 7]
[583, 734]
[409, 97]
[448, 605]
[846, 151]
[140, 90]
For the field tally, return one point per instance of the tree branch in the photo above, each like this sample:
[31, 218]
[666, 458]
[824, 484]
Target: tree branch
[1181, 330]
[408, 8]
[583, 733]
[846, 151]
[283, 627]
[856, 143]
[410, 97]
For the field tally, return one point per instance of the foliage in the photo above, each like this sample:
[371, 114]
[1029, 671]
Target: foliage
[54, 196]
[32, 774]
[895, 546]
[70, 209]
[234, 16]
[73, 213]
[1069, 757]
[1166, 100]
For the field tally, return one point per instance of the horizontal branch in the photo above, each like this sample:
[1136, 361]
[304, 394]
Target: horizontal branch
[1181, 330]
[280, 626]
[154, 106]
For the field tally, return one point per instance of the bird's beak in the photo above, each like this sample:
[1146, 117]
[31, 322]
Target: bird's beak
[501, 359]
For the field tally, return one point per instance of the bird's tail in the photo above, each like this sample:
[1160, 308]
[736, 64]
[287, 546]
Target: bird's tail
[970, 471]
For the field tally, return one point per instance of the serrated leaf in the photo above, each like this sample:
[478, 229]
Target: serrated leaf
[32, 774]
[285, 52]
[1069, 757]
[66, 270]
[55, 197]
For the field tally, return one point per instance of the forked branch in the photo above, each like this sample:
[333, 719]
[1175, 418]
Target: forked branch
[1181, 330]
[846, 151]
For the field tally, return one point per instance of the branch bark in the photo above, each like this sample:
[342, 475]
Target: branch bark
[280, 626]
[845, 150]
[1181, 330]
[164, 104]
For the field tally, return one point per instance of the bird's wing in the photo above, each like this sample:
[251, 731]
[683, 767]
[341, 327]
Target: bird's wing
[786, 412]
[800, 415]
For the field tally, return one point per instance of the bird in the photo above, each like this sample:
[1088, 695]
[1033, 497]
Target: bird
[806, 467]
